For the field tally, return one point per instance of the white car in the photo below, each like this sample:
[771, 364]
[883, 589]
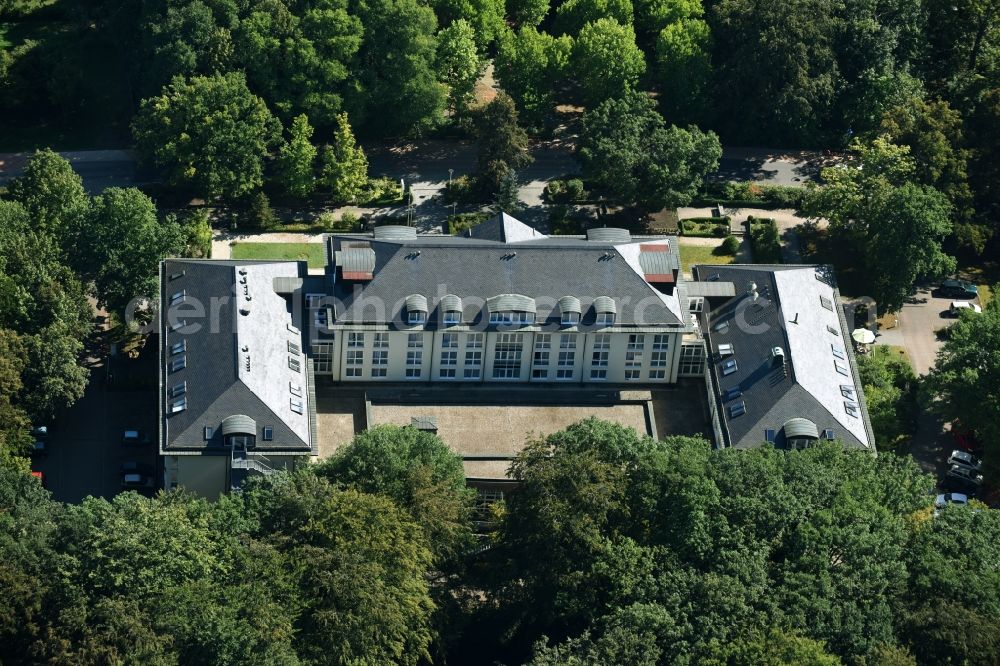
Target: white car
[965, 459]
[958, 306]
[942, 501]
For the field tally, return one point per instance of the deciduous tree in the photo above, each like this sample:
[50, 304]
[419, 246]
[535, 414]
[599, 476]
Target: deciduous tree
[606, 61]
[458, 63]
[529, 65]
[297, 158]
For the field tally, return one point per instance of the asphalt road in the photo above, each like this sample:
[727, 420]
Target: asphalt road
[99, 169]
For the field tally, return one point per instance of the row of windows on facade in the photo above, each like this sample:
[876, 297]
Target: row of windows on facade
[508, 357]
[453, 318]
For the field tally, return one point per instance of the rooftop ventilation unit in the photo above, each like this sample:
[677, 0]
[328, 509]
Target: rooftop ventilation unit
[394, 232]
[609, 235]
[777, 356]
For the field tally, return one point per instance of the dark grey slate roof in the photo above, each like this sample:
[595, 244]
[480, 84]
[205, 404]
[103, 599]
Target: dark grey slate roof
[544, 269]
[787, 314]
[215, 347]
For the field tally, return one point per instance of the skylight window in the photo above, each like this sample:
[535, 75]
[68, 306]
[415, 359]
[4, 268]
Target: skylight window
[729, 367]
[851, 408]
[722, 326]
[178, 347]
[739, 409]
[177, 275]
[268, 433]
[293, 348]
[179, 324]
[769, 435]
[178, 406]
[847, 391]
[733, 393]
[841, 368]
[295, 389]
[826, 303]
[832, 330]
[178, 364]
[296, 405]
[726, 349]
[178, 389]
[178, 297]
[838, 351]
[828, 434]
[294, 364]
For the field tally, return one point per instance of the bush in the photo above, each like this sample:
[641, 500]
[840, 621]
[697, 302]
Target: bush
[753, 195]
[764, 241]
[381, 191]
[705, 227]
[198, 235]
[731, 245]
[565, 191]
[458, 224]
[347, 222]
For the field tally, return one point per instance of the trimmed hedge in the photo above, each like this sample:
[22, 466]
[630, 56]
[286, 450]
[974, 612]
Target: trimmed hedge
[704, 227]
[764, 241]
[752, 195]
[459, 223]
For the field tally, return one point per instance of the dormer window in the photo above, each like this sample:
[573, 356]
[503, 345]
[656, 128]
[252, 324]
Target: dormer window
[605, 318]
[417, 317]
[570, 318]
[416, 309]
[512, 317]
[452, 317]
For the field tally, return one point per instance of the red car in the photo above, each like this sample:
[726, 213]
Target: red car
[965, 439]
[40, 476]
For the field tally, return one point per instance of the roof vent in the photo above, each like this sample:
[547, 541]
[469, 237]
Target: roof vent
[609, 235]
[777, 356]
[394, 232]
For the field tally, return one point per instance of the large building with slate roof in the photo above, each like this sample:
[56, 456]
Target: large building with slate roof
[243, 343]
[781, 357]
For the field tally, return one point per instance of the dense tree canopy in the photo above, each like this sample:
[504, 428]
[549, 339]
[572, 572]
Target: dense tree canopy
[627, 148]
[209, 134]
[529, 65]
[606, 61]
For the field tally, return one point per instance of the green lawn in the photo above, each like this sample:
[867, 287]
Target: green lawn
[701, 254]
[312, 252]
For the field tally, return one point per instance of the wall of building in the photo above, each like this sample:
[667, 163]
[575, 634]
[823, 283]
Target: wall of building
[366, 354]
[205, 475]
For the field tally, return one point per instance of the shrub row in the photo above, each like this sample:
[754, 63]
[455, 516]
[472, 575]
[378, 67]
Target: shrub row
[764, 241]
[705, 227]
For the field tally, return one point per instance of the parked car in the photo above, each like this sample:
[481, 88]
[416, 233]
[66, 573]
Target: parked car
[950, 498]
[40, 432]
[965, 474]
[40, 476]
[136, 480]
[959, 289]
[965, 459]
[40, 448]
[957, 307]
[134, 438]
[965, 439]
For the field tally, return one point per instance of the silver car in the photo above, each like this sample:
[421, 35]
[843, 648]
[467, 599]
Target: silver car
[966, 474]
[965, 459]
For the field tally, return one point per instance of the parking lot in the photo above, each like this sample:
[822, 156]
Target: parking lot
[85, 450]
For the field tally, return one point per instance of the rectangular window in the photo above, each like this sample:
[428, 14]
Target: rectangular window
[567, 358]
[851, 408]
[507, 356]
[417, 317]
[769, 435]
[178, 325]
[541, 358]
[355, 357]
[543, 341]
[599, 374]
[474, 358]
[658, 359]
[661, 342]
[605, 318]
[567, 341]
[599, 359]
[293, 348]
[295, 389]
[729, 367]
[322, 353]
[832, 330]
[380, 340]
[472, 373]
[414, 358]
[415, 340]
[696, 304]
[564, 373]
[355, 339]
[452, 317]
[378, 372]
[636, 342]
[474, 341]
[841, 368]
[380, 357]
[847, 391]
[540, 373]
[602, 341]
[294, 364]
[633, 359]
[449, 340]
[838, 351]
[178, 364]
[178, 389]
[449, 358]
[268, 433]
[692, 362]
[296, 405]
[447, 373]
[826, 303]
[208, 432]
[570, 318]
[632, 375]
[178, 347]
[353, 371]
[738, 409]
[178, 297]
[657, 374]
[413, 373]
[178, 406]
[176, 276]
[512, 317]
